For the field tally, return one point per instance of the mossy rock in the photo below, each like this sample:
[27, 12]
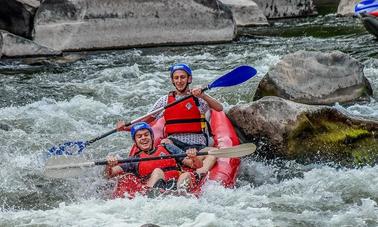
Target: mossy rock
[307, 133]
[319, 137]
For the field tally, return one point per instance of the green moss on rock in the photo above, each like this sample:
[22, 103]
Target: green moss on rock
[328, 139]
[339, 133]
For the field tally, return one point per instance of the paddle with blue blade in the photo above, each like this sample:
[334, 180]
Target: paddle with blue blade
[366, 7]
[71, 166]
[234, 77]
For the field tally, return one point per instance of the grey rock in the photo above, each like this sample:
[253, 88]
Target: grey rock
[270, 117]
[15, 46]
[56, 60]
[316, 78]
[30, 5]
[246, 12]
[286, 8]
[150, 225]
[1, 45]
[101, 24]
[5, 127]
[16, 16]
[346, 7]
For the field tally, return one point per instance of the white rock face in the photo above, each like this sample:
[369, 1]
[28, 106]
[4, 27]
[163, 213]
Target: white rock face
[246, 12]
[14, 46]
[286, 8]
[100, 24]
[346, 7]
[30, 4]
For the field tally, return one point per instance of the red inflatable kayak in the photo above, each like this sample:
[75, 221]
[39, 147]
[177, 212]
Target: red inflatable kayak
[224, 171]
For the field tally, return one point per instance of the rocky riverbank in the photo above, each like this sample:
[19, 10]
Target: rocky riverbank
[53, 26]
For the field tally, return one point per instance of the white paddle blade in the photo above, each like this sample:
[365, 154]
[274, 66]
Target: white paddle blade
[64, 166]
[233, 152]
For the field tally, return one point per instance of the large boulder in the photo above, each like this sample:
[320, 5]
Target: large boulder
[286, 8]
[16, 16]
[246, 12]
[316, 78]
[346, 7]
[98, 24]
[306, 133]
[16, 46]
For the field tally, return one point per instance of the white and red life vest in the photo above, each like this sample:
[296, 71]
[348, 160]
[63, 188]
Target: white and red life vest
[169, 166]
[184, 117]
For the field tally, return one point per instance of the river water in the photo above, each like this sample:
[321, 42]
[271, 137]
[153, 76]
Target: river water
[45, 102]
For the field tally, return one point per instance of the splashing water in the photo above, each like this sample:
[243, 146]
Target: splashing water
[46, 105]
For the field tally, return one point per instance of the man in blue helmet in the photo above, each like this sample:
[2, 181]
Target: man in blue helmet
[185, 123]
[156, 173]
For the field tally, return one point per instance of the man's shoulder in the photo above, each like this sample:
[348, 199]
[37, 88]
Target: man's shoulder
[160, 102]
[171, 148]
[162, 98]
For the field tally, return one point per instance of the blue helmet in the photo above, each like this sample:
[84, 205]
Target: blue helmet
[180, 66]
[139, 126]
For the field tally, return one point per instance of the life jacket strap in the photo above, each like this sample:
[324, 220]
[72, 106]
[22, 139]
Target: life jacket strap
[185, 121]
[171, 168]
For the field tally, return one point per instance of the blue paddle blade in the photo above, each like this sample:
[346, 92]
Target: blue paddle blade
[366, 6]
[68, 148]
[236, 76]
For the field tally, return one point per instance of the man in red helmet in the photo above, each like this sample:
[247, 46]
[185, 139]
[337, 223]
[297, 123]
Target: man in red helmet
[157, 173]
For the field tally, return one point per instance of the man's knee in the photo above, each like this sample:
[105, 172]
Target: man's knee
[210, 158]
[157, 173]
[184, 176]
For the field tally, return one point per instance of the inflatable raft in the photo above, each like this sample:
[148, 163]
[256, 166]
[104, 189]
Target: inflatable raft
[370, 23]
[224, 171]
[367, 10]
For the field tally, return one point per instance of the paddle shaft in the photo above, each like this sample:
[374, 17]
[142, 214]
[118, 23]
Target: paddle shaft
[100, 137]
[129, 160]
[143, 117]
[69, 165]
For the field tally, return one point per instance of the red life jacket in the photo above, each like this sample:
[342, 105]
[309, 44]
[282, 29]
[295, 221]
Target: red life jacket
[169, 166]
[184, 117]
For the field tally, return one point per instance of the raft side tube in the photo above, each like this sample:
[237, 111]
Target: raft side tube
[224, 171]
